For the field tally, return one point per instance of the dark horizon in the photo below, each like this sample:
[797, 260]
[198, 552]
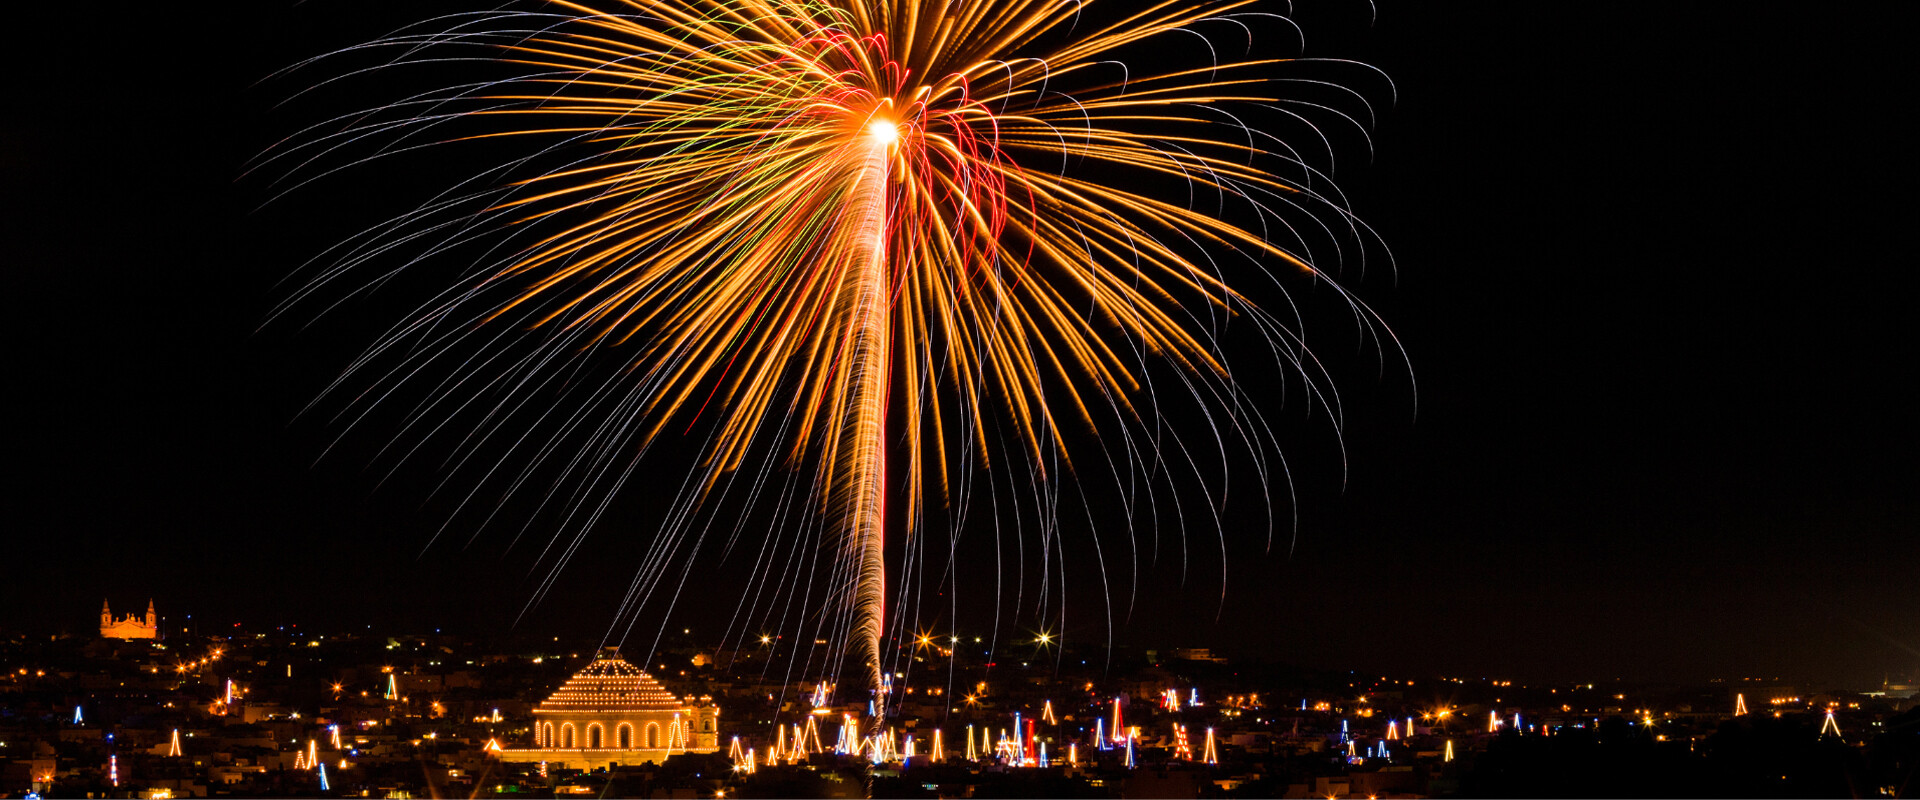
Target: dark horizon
[1662, 427]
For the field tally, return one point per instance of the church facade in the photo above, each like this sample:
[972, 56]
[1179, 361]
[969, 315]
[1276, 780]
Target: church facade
[613, 713]
[129, 627]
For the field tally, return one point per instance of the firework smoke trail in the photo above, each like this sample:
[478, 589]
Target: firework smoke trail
[802, 234]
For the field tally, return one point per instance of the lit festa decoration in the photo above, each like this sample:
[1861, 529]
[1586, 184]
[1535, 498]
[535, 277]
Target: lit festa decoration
[851, 242]
[849, 742]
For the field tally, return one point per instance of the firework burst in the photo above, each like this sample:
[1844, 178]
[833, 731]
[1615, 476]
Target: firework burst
[822, 234]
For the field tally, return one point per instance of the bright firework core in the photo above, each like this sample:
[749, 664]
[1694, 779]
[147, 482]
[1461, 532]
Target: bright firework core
[883, 132]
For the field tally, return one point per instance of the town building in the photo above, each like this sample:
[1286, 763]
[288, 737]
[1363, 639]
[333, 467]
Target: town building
[129, 627]
[613, 713]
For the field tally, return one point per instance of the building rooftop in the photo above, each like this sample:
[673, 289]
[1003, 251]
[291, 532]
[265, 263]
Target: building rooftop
[609, 683]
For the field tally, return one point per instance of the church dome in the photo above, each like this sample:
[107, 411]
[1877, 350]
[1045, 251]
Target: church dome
[613, 713]
[611, 684]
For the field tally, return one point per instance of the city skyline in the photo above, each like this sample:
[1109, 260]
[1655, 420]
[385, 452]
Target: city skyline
[289, 713]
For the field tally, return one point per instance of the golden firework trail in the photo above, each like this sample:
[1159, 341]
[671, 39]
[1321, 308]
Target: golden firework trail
[824, 232]
[862, 460]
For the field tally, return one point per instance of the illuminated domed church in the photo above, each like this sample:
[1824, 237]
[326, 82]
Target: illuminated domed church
[613, 713]
[130, 626]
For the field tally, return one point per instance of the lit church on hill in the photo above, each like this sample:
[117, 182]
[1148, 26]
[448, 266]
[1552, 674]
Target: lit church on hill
[130, 627]
[612, 713]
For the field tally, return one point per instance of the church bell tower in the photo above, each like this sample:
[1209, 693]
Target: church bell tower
[131, 626]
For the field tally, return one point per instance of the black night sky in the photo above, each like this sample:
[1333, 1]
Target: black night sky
[1654, 280]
